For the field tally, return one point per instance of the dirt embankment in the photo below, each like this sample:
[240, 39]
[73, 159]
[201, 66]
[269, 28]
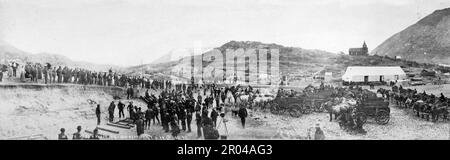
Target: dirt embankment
[27, 109]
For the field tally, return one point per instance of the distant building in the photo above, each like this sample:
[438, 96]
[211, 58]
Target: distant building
[427, 73]
[398, 57]
[328, 76]
[364, 51]
[373, 74]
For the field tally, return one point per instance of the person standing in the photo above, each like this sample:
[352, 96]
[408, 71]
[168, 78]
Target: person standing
[189, 120]
[111, 109]
[319, 135]
[182, 118]
[45, 72]
[148, 117]
[214, 116]
[22, 74]
[222, 126]
[14, 67]
[1, 73]
[62, 135]
[140, 126]
[198, 119]
[59, 74]
[77, 135]
[129, 93]
[130, 110]
[98, 113]
[39, 72]
[155, 115]
[243, 114]
[121, 107]
[53, 75]
[175, 127]
[33, 73]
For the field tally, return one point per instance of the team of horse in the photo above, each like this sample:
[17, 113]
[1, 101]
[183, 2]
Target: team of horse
[426, 106]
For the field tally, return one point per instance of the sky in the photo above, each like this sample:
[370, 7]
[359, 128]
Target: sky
[132, 32]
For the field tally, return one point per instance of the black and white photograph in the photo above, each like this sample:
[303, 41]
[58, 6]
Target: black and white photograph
[176, 70]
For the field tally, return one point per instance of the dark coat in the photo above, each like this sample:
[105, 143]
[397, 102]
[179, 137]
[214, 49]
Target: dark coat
[242, 112]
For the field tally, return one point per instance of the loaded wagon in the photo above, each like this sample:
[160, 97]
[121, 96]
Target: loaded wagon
[299, 104]
[374, 107]
[292, 106]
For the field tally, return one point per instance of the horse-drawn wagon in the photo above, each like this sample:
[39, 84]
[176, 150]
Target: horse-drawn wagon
[374, 107]
[292, 106]
[298, 104]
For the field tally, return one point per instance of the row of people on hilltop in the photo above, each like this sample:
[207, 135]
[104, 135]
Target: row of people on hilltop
[46, 73]
[8, 70]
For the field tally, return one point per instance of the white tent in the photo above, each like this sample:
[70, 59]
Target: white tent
[373, 74]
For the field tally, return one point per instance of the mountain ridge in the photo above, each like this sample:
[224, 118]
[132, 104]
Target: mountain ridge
[427, 41]
[10, 53]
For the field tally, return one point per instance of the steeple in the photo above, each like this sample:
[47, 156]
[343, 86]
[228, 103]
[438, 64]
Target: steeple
[364, 44]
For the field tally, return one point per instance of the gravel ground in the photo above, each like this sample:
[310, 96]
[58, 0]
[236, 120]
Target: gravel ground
[27, 112]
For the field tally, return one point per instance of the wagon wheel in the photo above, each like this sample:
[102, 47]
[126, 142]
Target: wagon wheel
[320, 107]
[286, 111]
[306, 109]
[382, 117]
[274, 109]
[362, 116]
[295, 110]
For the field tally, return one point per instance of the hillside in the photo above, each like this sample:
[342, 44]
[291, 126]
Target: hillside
[293, 60]
[426, 41]
[11, 53]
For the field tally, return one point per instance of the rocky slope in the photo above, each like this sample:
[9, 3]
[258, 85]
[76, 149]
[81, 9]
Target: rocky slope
[427, 41]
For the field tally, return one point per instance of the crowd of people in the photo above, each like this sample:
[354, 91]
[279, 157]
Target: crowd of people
[178, 105]
[48, 74]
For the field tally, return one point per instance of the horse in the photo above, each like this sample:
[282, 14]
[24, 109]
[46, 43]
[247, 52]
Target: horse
[337, 105]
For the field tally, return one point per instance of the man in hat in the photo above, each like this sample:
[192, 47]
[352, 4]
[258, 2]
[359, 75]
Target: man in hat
[98, 113]
[77, 135]
[111, 109]
[121, 107]
[214, 115]
[95, 135]
[140, 125]
[130, 110]
[62, 135]
[243, 114]
[318, 134]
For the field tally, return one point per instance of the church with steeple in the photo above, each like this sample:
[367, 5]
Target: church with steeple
[364, 51]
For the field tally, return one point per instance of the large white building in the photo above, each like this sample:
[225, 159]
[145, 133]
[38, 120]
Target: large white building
[373, 74]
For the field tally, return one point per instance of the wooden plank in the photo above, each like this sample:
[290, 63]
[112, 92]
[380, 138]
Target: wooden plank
[108, 130]
[26, 137]
[124, 124]
[100, 135]
[126, 120]
[119, 126]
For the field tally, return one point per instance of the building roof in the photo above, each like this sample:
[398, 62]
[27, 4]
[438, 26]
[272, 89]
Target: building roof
[356, 49]
[373, 70]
